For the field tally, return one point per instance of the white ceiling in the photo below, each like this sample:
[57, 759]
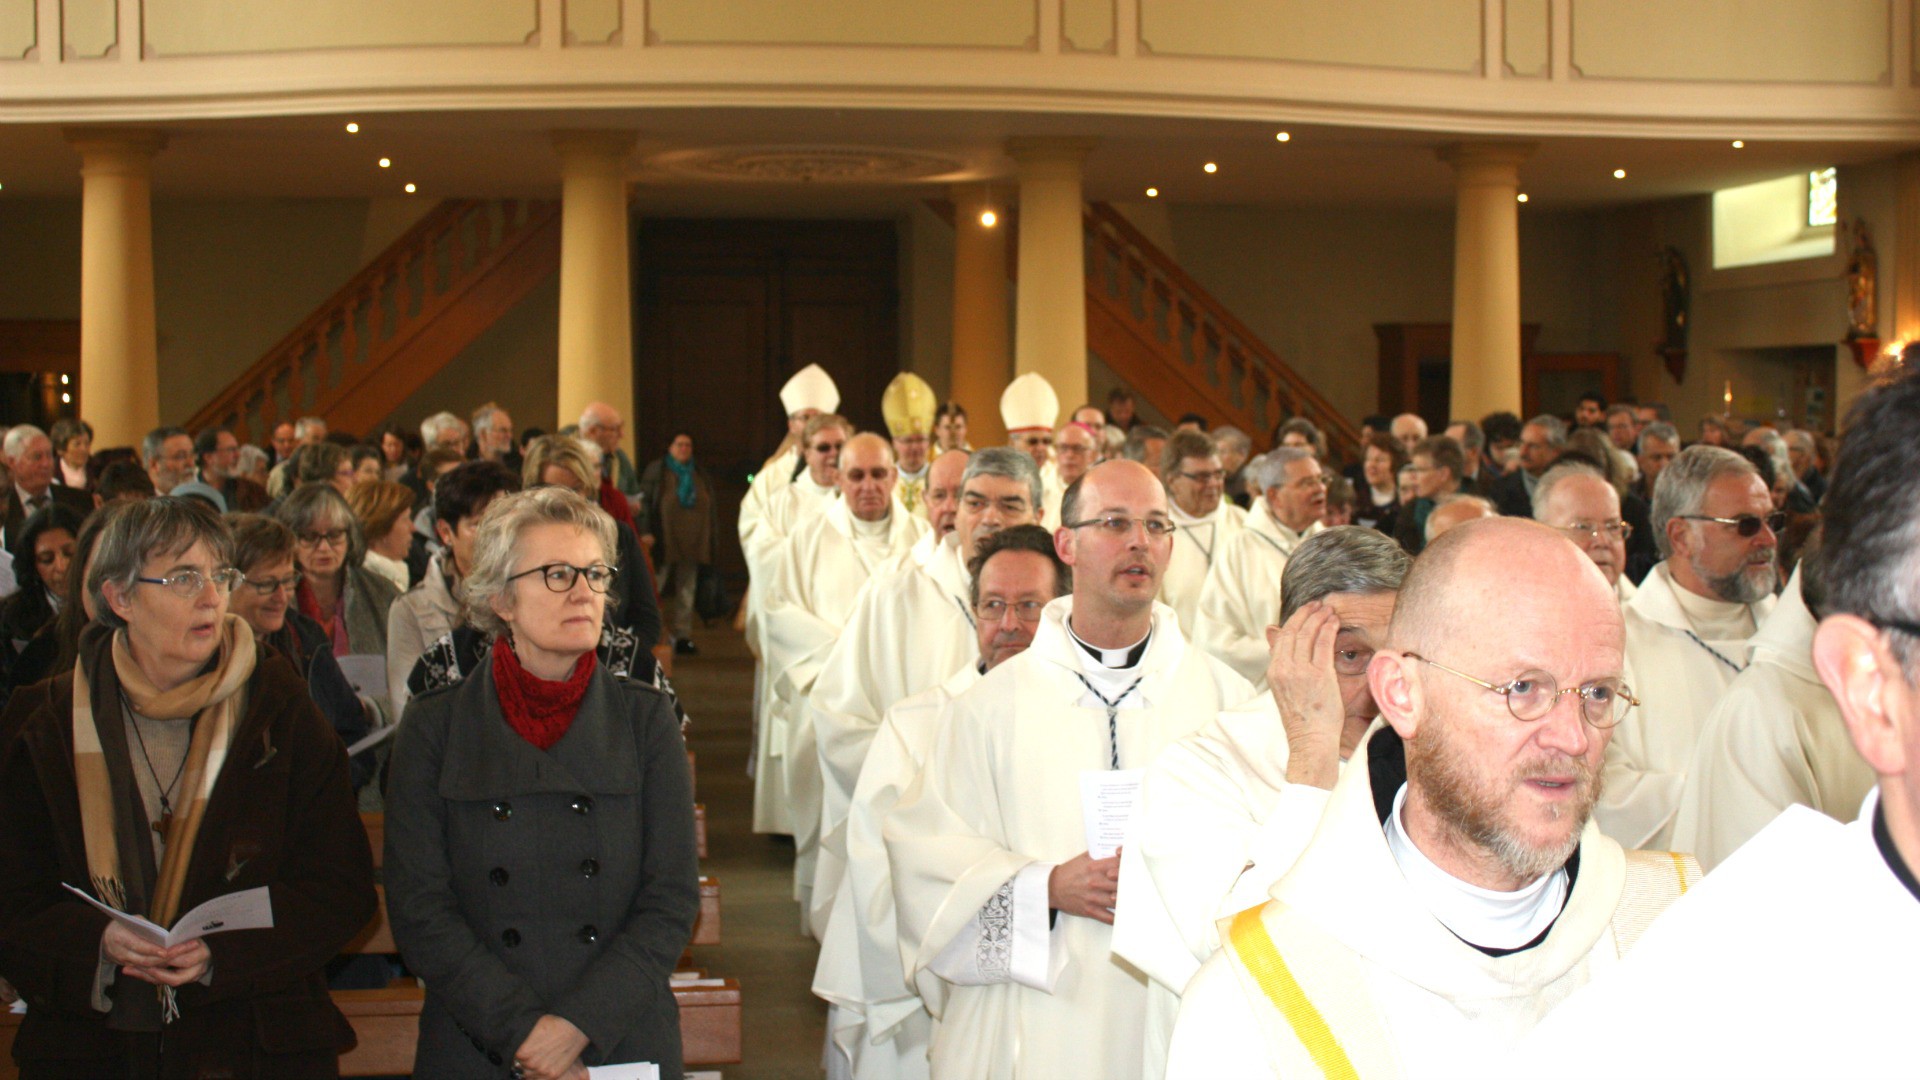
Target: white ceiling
[508, 153]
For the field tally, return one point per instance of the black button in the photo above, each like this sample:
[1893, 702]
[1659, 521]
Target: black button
[502, 811]
[493, 1056]
[510, 937]
[583, 804]
[588, 868]
[589, 935]
[498, 875]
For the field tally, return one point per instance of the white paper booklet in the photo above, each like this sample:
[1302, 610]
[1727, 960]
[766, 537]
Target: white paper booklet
[248, 909]
[1107, 798]
[639, 1070]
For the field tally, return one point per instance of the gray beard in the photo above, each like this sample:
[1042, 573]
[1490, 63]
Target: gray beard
[1476, 815]
[1742, 587]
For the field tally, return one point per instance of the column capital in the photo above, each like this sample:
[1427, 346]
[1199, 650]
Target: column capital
[1468, 155]
[1028, 151]
[612, 145]
[115, 146]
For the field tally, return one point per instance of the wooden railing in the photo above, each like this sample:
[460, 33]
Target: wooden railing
[398, 321]
[1182, 349]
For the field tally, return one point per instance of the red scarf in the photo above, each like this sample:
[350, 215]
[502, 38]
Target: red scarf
[538, 710]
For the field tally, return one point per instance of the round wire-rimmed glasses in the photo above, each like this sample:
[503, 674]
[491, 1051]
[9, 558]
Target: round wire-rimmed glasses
[1531, 695]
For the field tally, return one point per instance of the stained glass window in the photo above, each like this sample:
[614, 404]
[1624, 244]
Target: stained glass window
[1823, 197]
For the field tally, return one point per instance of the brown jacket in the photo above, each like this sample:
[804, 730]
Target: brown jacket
[281, 815]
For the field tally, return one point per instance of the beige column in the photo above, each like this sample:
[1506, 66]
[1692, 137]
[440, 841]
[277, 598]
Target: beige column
[1905, 264]
[1050, 301]
[981, 364]
[596, 299]
[1486, 276]
[119, 354]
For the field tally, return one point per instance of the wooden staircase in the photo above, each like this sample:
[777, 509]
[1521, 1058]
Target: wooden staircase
[1182, 350]
[398, 321]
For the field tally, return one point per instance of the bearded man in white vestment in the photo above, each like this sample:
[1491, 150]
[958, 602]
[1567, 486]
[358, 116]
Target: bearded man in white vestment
[1688, 632]
[877, 1025]
[1775, 740]
[810, 492]
[1224, 812]
[911, 628]
[1429, 924]
[1797, 957]
[1241, 597]
[828, 559]
[1575, 498]
[999, 895]
[1197, 485]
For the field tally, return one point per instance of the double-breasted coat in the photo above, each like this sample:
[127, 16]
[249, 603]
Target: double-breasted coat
[523, 883]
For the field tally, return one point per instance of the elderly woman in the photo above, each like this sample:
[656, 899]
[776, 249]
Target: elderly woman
[263, 553]
[385, 514]
[540, 854]
[335, 590]
[177, 761]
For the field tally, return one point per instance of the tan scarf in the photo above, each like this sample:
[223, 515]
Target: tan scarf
[215, 697]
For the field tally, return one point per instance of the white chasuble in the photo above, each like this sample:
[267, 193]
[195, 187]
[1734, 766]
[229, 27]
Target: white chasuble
[997, 806]
[1775, 740]
[826, 562]
[1241, 597]
[1793, 959]
[1683, 652]
[880, 1023]
[1052, 490]
[1398, 993]
[910, 629]
[1197, 544]
[795, 502]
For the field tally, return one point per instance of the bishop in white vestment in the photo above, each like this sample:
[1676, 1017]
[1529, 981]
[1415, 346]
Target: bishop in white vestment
[1241, 596]
[1197, 484]
[1029, 408]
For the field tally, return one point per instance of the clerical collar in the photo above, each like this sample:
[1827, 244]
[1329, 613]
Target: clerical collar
[1181, 517]
[871, 528]
[921, 475]
[1493, 922]
[1116, 659]
[1883, 840]
[1713, 618]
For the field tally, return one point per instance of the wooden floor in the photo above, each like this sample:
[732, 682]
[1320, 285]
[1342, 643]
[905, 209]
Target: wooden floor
[762, 945]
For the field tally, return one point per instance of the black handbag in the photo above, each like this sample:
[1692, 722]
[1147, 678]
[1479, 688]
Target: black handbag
[710, 594]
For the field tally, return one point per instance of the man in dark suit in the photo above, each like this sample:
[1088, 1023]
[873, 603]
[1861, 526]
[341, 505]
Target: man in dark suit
[29, 455]
[1541, 440]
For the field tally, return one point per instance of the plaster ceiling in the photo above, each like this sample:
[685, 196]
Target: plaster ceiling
[792, 162]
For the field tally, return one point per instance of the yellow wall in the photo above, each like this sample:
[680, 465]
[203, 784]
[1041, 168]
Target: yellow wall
[198, 27]
[963, 23]
[1772, 41]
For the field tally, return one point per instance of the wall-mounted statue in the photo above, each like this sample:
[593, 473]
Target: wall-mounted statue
[1676, 286]
[1863, 277]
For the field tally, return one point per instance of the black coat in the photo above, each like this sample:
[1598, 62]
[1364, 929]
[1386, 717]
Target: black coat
[282, 815]
[522, 882]
[1510, 495]
[305, 643]
[15, 513]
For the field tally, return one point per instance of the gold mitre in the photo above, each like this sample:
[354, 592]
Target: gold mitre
[908, 405]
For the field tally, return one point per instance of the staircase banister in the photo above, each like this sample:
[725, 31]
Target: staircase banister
[423, 232]
[1340, 430]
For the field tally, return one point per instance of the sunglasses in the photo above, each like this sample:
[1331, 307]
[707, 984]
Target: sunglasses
[1746, 525]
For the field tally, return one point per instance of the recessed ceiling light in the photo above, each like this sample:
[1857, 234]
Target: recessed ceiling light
[1739, 144]
[410, 189]
[1522, 197]
[66, 399]
[989, 219]
[386, 163]
[1284, 137]
[65, 379]
[1153, 193]
[1211, 167]
[353, 128]
[1619, 174]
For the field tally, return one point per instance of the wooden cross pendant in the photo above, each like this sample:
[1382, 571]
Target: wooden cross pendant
[164, 824]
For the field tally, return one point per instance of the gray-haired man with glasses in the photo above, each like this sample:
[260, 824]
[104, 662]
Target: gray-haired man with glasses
[1430, 923]
[1196, 484]
[1576, 499]
[1689, 632]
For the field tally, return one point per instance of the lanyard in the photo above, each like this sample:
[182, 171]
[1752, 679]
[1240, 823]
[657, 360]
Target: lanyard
[1717, 655]
[1113, 714]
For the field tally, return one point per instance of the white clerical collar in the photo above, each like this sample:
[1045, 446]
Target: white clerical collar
[1713, 618]
[1181, 517]
[871, 528]
[1480, 917]
[1122, 659]
[820, 489]
[921, 475]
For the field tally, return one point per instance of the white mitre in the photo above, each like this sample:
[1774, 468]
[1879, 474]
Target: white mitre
[1029, 404]
[810, 388]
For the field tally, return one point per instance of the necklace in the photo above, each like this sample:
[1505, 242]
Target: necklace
[166, 808]
[1113, 715]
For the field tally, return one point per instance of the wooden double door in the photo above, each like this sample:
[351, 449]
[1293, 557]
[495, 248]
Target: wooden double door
[728, 310]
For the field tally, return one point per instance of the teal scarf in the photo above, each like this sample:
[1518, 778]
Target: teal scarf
[685, 475]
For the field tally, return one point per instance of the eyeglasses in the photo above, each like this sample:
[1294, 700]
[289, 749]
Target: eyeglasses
[560, 576]
[332, 538]
[827, 447]
[993, 611]
[879, 475]
[189, 583]
[273, 584]
[1606, 530]
[1747, 525]
[1531, 695]
[1217, 476]
[1121, 525]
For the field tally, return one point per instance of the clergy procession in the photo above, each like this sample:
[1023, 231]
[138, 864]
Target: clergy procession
[1120, 752]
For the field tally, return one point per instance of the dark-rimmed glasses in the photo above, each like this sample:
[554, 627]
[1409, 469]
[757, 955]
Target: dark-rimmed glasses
[561, 576]
[995, 610]
[189, 583]
[1747, 525]
[331, 538]
[273, 584]
[1531, 695]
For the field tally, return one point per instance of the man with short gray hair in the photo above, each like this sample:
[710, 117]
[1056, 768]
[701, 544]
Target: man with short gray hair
[1576, 499]
[1541, 440]
[493, 436]
[1144, 444]
[1688, 632]
[29, 458]
[1659, 442]
[443, 429]
[167, 452]
[309, 430]
[1242, 591]
[601, 425]
[1206, 522]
